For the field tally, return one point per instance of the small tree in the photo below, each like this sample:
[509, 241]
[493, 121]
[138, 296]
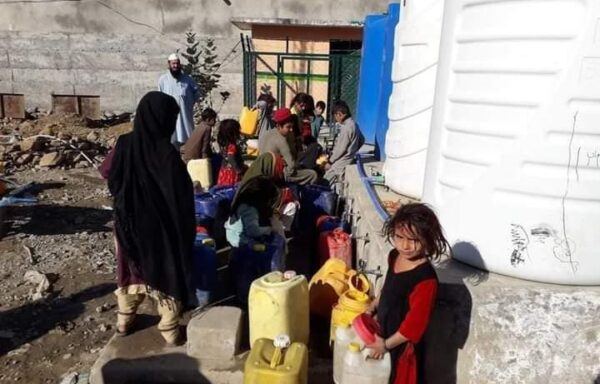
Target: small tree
[202, 66]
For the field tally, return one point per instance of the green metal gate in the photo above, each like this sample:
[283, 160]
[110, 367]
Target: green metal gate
[324, 76]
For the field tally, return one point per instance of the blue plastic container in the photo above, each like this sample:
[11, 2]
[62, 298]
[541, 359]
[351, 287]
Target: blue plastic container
[227, 192]
[253, 260]
[207, 205]
[212, 212]
[205, 268]
[315, 201]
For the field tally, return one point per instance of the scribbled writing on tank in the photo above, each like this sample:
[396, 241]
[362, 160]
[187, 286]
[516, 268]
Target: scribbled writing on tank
[593, 159]
[526, 242]
[520, 241]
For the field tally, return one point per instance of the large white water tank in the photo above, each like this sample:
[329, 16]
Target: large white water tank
[414, 67]
[513, 166]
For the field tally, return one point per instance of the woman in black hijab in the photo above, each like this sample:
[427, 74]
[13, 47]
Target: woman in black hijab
[154, 217]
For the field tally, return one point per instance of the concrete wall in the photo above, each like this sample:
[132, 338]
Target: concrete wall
[117, 49]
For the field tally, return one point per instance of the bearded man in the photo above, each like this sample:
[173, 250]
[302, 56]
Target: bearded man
[185, 91]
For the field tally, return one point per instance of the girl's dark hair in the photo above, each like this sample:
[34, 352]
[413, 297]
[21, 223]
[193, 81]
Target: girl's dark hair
[208, 114]
[419, 219]
[229, 132]
[341, 106]
[310, 106]
[262, 193]
[321, 104]
[300, 98]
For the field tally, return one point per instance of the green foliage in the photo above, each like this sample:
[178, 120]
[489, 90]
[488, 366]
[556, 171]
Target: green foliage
[202, 65]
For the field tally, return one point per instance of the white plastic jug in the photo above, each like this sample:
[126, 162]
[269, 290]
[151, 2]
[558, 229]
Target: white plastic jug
[513, 166]
[344, 335]
[358, 368]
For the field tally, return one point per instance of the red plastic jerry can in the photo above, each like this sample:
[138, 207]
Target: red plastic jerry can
[335, 244]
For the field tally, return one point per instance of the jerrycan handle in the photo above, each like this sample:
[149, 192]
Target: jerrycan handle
[280, 343]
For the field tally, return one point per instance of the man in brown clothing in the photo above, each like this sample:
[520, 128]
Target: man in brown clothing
[198, 145]
[276, 141]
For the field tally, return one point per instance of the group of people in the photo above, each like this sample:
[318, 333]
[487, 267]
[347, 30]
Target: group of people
[290, 133]
[155, 222]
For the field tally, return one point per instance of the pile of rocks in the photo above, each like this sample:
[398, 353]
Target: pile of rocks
[45, 151]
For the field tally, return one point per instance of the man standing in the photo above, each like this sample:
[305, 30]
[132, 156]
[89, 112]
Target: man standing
[198, 145]
[185, 91]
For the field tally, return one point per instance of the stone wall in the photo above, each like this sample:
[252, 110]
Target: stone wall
[118, 49]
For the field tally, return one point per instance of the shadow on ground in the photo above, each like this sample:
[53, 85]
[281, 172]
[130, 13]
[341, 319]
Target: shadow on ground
[165, 368]
[33, 320]
[46, 219]
[450, 323]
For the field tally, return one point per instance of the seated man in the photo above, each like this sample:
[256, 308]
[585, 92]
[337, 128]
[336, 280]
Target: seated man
[276, 141]
[348, 141]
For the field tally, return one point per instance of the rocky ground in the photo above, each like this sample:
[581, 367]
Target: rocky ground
[57, 264]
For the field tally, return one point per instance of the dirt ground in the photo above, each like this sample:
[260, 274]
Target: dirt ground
[66, 236]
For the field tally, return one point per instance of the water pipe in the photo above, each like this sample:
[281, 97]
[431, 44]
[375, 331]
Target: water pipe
[368, 183]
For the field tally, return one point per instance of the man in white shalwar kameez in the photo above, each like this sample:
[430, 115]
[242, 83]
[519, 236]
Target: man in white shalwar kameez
[186, 92]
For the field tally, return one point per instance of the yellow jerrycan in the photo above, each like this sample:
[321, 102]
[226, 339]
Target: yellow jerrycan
[278, 304]
[330, 282]
[277, 362]
[200, 170]
[248, 121]
[351, 304]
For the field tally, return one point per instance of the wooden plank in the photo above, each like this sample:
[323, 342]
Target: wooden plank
[64, 104]
[89, 106]
[13, 105]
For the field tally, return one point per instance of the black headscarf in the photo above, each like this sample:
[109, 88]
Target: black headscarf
[262, 193]
[154, 199]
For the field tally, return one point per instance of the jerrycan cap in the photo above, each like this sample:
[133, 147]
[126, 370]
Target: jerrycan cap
[287, 275]
[282, 341]
[354, 347]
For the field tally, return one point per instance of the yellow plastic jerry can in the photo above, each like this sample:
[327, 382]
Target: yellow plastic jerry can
[351, 304]
[249, 121]
[278, 304]
[200, 170]
[277, 362]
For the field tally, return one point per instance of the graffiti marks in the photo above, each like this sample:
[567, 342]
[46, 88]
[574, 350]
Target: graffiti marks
[541, 239]
[593, 159]
[520, 241]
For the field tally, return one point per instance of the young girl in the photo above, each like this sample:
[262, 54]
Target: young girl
[251, 210]
[232, 167]
[251, 225]
[404, 305]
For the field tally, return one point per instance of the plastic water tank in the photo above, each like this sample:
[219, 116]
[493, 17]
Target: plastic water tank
[413, 76]
[513, 166]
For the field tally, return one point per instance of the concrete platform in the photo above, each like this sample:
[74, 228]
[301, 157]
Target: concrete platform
[143, 357]
[489, 328]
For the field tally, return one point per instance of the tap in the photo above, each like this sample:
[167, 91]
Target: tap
[362, 265]
[365, 237]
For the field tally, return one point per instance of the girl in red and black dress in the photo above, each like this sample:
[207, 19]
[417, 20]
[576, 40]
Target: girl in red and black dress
[232, 166]
[404, 306]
